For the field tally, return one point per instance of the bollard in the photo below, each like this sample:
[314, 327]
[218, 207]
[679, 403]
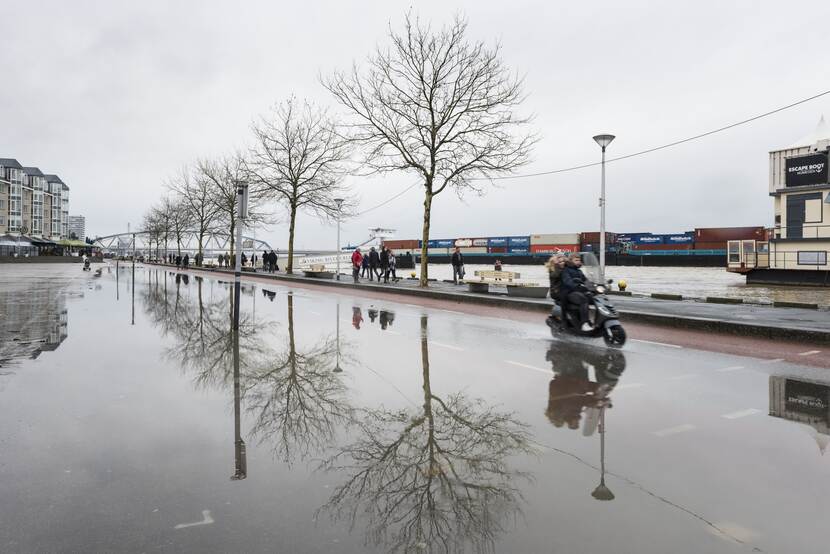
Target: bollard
[622, 284]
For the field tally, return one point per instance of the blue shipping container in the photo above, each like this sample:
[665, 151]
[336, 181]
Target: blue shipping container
[517, 250]
[631, 237]
[518, 241]
[649, 239]
[678, 239]
[497, 241]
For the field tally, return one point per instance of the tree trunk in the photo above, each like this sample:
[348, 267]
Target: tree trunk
[289, 266]
[201, 239]
[425, 237]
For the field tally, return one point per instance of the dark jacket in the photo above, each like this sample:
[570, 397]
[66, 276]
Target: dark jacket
[457, 258]
[384, 258]
[571, 279]
[374, 259]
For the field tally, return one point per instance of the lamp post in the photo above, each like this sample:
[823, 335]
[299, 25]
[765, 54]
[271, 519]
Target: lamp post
[241, 215]
[602, 492]
[603, 141]
[339, 202]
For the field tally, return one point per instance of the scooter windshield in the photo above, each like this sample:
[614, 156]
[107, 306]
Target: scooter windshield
[590, 266]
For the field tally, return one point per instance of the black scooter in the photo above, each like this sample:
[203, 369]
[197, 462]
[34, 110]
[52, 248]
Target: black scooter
[602, 316]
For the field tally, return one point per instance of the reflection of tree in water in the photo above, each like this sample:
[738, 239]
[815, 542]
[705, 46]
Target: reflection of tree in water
[434, 478]
[297, 398]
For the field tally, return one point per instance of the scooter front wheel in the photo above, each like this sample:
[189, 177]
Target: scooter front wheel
[614, 336]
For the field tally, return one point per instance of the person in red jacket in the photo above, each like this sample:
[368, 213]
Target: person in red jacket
[357, 260]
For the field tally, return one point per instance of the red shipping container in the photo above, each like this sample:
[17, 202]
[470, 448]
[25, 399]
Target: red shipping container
[714, 245]
[661, 247]
[593, 236]
[553, 248]
[397, 244]
[717, 234]
[497, 249]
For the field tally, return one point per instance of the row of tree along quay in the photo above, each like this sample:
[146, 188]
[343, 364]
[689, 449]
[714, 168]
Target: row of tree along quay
[430, 103]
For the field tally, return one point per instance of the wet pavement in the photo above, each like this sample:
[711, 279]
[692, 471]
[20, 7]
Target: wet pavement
[133, 419]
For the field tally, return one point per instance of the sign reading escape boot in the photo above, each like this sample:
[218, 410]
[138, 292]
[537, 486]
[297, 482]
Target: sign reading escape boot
[807, 170]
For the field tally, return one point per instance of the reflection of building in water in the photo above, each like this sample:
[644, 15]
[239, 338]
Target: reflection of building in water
[31, 321]
[806, 402]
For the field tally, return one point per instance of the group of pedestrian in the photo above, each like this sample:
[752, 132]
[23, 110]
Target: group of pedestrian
[380, 265]
[224, 260]
[269, 261]
[182, 262]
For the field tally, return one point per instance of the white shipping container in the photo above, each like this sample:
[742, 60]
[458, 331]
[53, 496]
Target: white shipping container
[438, 251]
[474, 250]
[555, 238]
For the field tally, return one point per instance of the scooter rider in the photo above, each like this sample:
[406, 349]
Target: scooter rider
[572, 282]
[555, 265]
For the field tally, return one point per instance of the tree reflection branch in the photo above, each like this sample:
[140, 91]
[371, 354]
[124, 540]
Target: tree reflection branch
[433, 479]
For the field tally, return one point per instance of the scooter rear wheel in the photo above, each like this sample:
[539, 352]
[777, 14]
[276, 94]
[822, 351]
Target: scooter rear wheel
[614, 336]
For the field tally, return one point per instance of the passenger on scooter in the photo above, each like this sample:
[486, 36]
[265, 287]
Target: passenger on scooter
[572, 282]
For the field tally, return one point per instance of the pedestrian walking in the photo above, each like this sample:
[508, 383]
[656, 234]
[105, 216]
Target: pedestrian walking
[266, 261]
[392, 263]
[244, 259]
[374, 264]
[497, 266]
[186, 261]
[457, 265]
[220, 259]
[357, 263]
[178, 262]
[384, 264]
[274, 262]
[364, 264]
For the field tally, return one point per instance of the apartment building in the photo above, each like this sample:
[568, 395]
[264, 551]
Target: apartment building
[77, 227]
[32, 203]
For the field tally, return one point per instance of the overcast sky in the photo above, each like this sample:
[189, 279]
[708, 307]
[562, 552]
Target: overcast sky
[115, 96]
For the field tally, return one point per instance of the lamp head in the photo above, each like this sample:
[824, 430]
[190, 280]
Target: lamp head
[604, 140]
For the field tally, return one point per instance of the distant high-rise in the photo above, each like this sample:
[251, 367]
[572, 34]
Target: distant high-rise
[77, 227]
[32, 203]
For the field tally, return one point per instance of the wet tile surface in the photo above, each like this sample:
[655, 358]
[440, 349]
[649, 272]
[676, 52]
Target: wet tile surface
[133, 418]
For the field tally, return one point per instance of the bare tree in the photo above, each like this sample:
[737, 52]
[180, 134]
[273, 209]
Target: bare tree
[439, 106]
[223, 176]
[194, 192]
[299, 158]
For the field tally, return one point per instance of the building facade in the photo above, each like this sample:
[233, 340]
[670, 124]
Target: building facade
[32, 203]
[797, 250]
[77, 227]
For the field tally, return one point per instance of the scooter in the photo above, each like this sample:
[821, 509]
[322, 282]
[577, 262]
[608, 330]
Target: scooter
[602, 316]
[86, 265]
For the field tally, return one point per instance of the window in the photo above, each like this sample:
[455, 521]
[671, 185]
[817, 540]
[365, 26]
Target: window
[812, 257]
[812, 210]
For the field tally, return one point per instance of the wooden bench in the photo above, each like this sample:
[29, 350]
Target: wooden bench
[318, 271]
[484, 278]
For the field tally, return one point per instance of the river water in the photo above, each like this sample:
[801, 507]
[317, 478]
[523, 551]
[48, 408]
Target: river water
[689, 281]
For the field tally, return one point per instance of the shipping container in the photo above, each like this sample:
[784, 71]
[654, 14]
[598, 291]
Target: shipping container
[438, 251]
[396, 244]
[518, 250]
[555, 238]
[648, 239]
[553, 248]
[661, 246]
[474, 250]
[710, 245]
[593, 236]
[686, 238]
[519, 242]
[461, 243]
[594, 247]
[713, 234]
[630, 237]
[497, 249]
[497, 242]
[480, 242]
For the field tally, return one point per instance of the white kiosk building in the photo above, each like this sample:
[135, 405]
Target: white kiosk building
[799, 245]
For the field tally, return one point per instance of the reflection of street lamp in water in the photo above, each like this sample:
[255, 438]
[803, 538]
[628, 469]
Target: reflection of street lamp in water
[240, 457]
[602, 492]
[337, 368]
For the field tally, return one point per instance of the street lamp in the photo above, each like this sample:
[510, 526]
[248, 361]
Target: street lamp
[602, 492]
[603, 141]
[339, 202]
